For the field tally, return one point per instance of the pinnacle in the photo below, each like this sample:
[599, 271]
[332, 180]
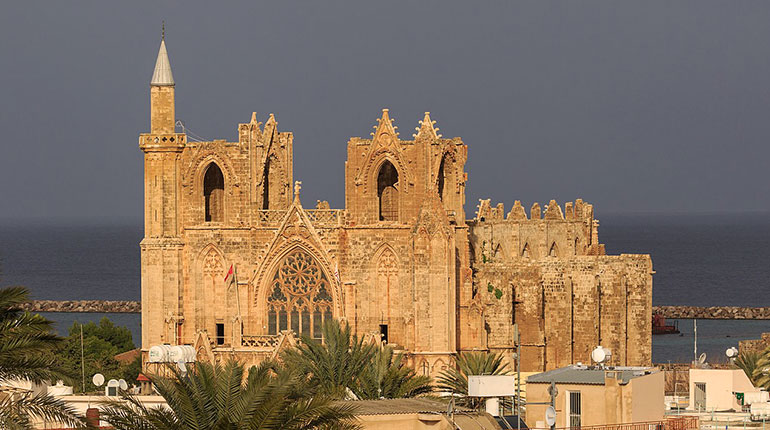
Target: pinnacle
[162, 75]
[426, 128]
[385, 125]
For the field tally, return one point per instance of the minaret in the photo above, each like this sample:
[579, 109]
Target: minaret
[162, 246]
[162, 117]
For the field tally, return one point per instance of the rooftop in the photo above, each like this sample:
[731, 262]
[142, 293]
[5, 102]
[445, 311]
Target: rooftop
[589, 375]
[398, 406]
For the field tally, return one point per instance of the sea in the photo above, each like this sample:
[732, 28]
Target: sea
[700, 260]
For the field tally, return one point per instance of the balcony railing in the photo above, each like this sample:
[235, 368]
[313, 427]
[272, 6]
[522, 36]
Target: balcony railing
[264, 341]
[320, 217]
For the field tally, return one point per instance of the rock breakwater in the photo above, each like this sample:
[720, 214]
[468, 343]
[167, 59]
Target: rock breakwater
[713, 312]
[101, 306]
[674, 312]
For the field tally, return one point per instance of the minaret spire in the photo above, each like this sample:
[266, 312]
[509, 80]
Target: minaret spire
[162, 75]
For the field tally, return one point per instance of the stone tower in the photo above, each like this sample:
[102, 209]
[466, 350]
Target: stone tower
[161, 247]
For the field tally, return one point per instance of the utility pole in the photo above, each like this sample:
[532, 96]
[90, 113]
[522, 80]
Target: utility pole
[82, 362]
[553, 393]
[517, 341]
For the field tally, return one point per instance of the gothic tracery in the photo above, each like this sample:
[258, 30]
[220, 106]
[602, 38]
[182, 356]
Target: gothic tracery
[300, 297]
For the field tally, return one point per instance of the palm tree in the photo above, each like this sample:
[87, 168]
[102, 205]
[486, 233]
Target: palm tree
[214, 397]
[345, 367]
[334, 365]
[389, 377]
[455, 379]
[761, 373]
[747, 361]
[27, 346]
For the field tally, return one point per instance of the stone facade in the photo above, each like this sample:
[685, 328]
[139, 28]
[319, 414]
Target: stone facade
[400, 262]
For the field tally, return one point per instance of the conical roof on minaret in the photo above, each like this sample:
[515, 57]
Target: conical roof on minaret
[162, 75]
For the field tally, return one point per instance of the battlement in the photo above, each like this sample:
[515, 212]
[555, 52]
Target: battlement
[577, 211]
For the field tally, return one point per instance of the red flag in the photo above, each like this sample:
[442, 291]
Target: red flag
[229, 273]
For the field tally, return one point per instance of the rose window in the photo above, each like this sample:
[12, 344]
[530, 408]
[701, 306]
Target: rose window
[299, 298]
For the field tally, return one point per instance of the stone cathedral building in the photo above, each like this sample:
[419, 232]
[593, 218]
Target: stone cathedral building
[401, 262]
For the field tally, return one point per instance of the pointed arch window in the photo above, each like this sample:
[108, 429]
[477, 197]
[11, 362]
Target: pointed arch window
[445, 180]
[214, 194]
[266, 186]
[525, 251]
[441, 179]
[387, 192]
[554, 251]
[300, 297]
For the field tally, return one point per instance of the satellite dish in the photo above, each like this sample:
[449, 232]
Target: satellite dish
[122, 384]
[550, 416]
[702, 358]
[731, 352]
[599, 355]
[182, 367]
[98, 379]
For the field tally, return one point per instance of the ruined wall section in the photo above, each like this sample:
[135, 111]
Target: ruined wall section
[560, 305]
[549, 274]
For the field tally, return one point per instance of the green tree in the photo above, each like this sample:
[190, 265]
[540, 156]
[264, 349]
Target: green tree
[334, 365]
[761, 373]
[216, 397]
[747, 361]
[343, 364]
[455, 379]
[389, 377]
[101, 342]
[27, 345]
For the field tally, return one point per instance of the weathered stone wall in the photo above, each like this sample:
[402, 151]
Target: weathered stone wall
[754, 345]
[549, 275]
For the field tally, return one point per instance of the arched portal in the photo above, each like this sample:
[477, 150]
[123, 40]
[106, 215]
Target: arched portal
[214, 194]
[300, 298]
[387, 192]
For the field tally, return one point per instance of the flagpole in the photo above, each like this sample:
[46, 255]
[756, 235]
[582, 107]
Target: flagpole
[237, 294]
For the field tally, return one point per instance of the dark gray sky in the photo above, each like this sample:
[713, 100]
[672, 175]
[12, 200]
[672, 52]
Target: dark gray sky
[636, 107]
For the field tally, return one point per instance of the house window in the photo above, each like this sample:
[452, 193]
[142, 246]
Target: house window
[574, 409]
[387, 192]
[384, 332]
[700, 396]
[220, 334]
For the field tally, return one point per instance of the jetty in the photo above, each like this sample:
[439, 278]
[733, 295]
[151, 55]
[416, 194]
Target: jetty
[81, 306]
[669, 312]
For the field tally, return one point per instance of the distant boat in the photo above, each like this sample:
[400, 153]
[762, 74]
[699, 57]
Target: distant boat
[659, 325]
